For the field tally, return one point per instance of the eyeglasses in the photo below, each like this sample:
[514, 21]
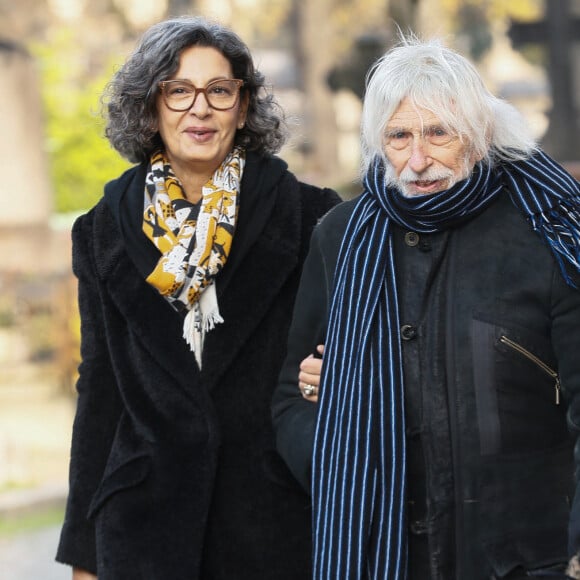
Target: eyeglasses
[400, 139]
[180, 95]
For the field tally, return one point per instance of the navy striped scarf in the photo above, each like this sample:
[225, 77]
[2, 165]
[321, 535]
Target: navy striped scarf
[358, 488]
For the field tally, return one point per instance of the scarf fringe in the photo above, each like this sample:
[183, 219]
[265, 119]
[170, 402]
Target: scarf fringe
[189, 329]
[201, 318]
[210, 320]
[560, 228]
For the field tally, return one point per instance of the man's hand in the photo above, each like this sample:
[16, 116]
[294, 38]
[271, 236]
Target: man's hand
[309, 375]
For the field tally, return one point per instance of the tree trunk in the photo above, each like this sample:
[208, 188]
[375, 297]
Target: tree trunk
[314, 51]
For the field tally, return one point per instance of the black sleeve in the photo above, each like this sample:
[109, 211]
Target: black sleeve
[565, 334]
[294, 417]
[98, 409]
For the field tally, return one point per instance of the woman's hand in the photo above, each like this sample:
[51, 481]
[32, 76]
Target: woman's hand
[309, 375]
[79, 574]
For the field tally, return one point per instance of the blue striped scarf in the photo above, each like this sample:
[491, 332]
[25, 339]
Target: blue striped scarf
[358, 488]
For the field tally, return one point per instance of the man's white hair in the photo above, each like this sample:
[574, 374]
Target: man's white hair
[442, 81]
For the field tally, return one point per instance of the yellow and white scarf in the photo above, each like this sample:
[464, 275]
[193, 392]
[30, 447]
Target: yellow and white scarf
[194, 240]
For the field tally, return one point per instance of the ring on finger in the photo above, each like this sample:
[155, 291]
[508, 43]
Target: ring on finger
[309, 390]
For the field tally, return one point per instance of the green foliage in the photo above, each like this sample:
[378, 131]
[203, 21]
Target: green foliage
[81, 160]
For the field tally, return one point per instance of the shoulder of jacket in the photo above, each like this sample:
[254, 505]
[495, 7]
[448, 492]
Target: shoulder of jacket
[98, 216]
[96, 239]
[338, 215]
[317, 200]
[122, 182]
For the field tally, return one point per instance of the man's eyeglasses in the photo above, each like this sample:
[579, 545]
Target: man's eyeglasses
[180, 95]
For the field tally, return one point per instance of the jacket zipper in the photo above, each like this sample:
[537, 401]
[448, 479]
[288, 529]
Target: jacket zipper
[540, 363]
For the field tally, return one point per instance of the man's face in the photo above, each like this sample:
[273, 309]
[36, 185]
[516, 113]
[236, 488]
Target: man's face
[425, 157]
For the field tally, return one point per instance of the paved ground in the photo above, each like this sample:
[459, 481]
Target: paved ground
[35, 425]
[30, 556]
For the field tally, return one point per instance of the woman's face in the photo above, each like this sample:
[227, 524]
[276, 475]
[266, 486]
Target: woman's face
[199, 139]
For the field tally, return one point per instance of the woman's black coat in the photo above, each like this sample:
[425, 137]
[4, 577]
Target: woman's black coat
[485, 317]
[173, 471]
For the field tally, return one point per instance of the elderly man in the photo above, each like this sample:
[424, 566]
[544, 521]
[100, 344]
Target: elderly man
[441, 444]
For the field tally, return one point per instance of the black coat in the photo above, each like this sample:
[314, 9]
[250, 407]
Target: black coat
[485, 315]
[173, 471]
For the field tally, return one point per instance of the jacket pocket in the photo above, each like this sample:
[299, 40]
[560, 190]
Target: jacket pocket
[128, 475]
[536, 361]
[517, 390]
[128, 465]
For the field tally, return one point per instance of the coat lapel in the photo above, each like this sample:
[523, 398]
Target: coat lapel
[263, 256]
[153, 321]
[257, 282]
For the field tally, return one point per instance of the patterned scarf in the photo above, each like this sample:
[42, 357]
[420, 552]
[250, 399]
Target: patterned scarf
[194, 240]
[358, 488]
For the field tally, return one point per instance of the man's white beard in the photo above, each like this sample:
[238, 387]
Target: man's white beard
[408, 176]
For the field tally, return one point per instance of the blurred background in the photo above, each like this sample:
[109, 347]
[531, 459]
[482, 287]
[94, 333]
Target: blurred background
[55, 58]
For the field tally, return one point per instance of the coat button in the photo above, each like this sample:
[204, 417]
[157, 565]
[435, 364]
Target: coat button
[411, 239]
[408, 332]
[418, 527]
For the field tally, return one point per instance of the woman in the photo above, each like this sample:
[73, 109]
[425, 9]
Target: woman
[187, 270]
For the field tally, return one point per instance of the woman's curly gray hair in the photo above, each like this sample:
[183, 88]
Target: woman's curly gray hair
[131, 95]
